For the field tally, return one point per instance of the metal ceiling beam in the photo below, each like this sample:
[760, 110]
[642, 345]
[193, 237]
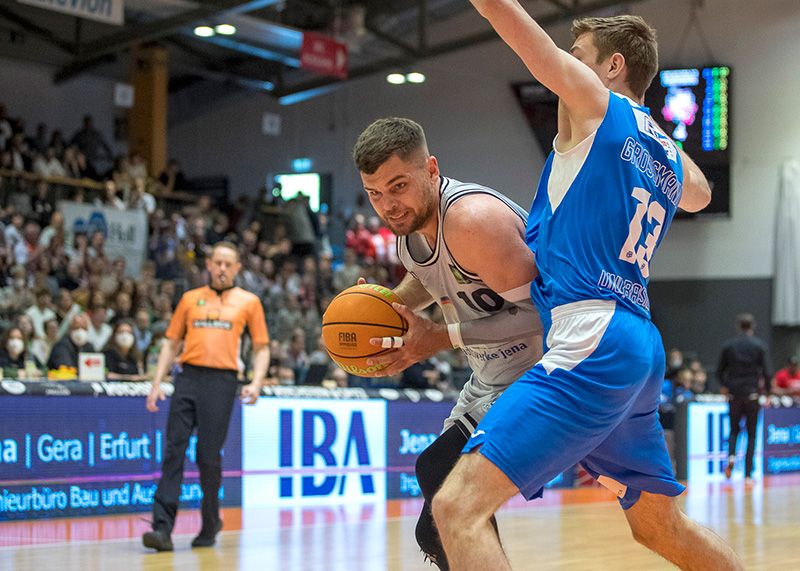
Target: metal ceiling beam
[153, 31]
[446, 48]
[262, 52]
[252, 83]
[37, 30]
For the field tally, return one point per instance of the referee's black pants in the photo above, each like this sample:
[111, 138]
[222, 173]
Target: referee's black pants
[203, 399]
[744, 406]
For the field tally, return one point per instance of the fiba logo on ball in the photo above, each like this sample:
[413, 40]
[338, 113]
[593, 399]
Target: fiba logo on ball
[348, 339]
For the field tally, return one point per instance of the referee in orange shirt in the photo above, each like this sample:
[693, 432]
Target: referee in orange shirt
[209, 321]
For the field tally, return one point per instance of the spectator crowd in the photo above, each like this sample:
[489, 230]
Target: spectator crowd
[64, 294]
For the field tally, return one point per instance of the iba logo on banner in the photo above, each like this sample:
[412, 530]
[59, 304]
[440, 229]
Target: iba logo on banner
[314, 449]
[707, 431]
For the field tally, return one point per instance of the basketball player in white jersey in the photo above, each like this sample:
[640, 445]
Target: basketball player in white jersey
[464, 248]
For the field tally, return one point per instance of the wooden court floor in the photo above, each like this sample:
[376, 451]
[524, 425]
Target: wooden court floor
[580, 529]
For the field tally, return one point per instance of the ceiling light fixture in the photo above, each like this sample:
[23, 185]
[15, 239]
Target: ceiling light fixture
[225, 29]
[396, 78]
[204, 31]
[415, 77]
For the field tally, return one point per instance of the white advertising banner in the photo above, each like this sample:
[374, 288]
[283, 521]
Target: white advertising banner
[313, 452]
[108, 11]
[125, 230]
[707, 431]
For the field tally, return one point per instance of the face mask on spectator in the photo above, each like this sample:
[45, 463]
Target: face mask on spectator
[15, 347]
[79, 336]
[125, 340]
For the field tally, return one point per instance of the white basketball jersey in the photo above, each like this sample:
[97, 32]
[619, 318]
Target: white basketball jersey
[463, 296]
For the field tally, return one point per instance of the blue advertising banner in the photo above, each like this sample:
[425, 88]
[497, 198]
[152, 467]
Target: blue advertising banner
[410, 429]
[781, 440]
[85, 455]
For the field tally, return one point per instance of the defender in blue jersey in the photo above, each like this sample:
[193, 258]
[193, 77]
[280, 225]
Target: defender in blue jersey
[607, 195]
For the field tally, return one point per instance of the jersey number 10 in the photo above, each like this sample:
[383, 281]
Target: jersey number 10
[483, 298]
[632, 251]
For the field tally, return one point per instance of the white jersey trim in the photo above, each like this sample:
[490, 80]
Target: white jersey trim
[565, 169]
[576, 332]
[521, 293]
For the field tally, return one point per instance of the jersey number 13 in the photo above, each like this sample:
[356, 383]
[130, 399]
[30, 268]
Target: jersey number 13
[633, 250]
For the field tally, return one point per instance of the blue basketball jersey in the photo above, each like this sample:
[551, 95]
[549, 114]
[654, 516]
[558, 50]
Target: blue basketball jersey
[601, 211]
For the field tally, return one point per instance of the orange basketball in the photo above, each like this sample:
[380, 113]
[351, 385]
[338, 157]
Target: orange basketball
[356, 315]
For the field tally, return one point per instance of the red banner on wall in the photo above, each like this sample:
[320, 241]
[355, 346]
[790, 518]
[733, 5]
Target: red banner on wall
[322, 54]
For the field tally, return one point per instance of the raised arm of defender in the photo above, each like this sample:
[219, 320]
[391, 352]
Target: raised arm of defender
[580, 90]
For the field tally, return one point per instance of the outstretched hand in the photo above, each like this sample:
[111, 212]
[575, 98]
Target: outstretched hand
[156, 394]
[423, 339]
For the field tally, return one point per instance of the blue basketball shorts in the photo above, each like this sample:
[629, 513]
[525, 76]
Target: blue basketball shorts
[592, 399]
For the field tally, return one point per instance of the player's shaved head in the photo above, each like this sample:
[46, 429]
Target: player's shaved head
[388, 137]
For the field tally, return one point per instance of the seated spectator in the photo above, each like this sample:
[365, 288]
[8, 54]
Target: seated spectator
[13, 350]
[699, 377]
[6, 132]
[20, 154]
[99, 331]
[25, 324]
[137, 166]
[123, 360]
[16, 296]
[54, 229]
[109, 198]
[71, 277]
[348, 274]
[339, 377]
[674, 364]
[295, 354]
[13, 231]
[65, 352]
[359, 239]
[320, 355]
[41, 347]
[787, 380]
[57, 143]
[683, 386]
[78, 251]
[40, 312]
[76, 166]
[48, 165]
[140, 199]
[141, 330]
[41, 205]
[28, 249]
[123, 307]
[172, 177]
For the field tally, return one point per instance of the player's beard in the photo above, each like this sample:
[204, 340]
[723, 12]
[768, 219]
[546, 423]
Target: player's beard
[418, 218]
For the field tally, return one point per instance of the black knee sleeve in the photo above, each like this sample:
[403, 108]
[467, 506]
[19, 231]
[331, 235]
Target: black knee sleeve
[437, 460]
